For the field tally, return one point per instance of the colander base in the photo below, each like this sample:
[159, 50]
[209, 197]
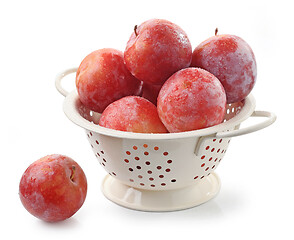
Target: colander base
[163, 200]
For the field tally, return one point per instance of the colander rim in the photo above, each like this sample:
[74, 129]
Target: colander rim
[70, 109]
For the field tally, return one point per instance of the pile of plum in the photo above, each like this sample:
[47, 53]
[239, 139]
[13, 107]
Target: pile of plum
[159, 85]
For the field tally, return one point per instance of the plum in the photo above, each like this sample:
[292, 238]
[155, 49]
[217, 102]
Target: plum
[132, 114]
[191, 99]
[53, 188]
[150, 92]
[156, 49]
[231, 60]
[103, 78]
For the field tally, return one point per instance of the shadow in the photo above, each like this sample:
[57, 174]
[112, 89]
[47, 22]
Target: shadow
[207, 211]
[69, 223]
[225, 203]
[231, 201]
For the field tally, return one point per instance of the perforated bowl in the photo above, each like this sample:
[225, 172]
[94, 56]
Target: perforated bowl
[161, 172]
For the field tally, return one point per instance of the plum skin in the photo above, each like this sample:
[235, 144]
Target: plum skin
[132, 114]
[103, 78]
[156, 50]
[231, 60]
[150, 92]
[191, 99]
[53, 188]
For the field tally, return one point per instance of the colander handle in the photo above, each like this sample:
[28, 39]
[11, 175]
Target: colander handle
[59, 78]
[271, 118]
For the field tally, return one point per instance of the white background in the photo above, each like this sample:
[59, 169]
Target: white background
[41, 38]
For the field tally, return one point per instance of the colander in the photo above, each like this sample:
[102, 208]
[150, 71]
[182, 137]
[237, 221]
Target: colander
[161, 172]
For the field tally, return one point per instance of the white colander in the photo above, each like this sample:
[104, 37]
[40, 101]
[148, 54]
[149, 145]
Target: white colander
[161, 172]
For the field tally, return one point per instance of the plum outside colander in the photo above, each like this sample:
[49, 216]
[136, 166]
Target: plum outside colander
[161, 172]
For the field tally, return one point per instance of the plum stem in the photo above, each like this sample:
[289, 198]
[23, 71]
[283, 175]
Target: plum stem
[135, 30]
[215, 31]
[73, 168]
